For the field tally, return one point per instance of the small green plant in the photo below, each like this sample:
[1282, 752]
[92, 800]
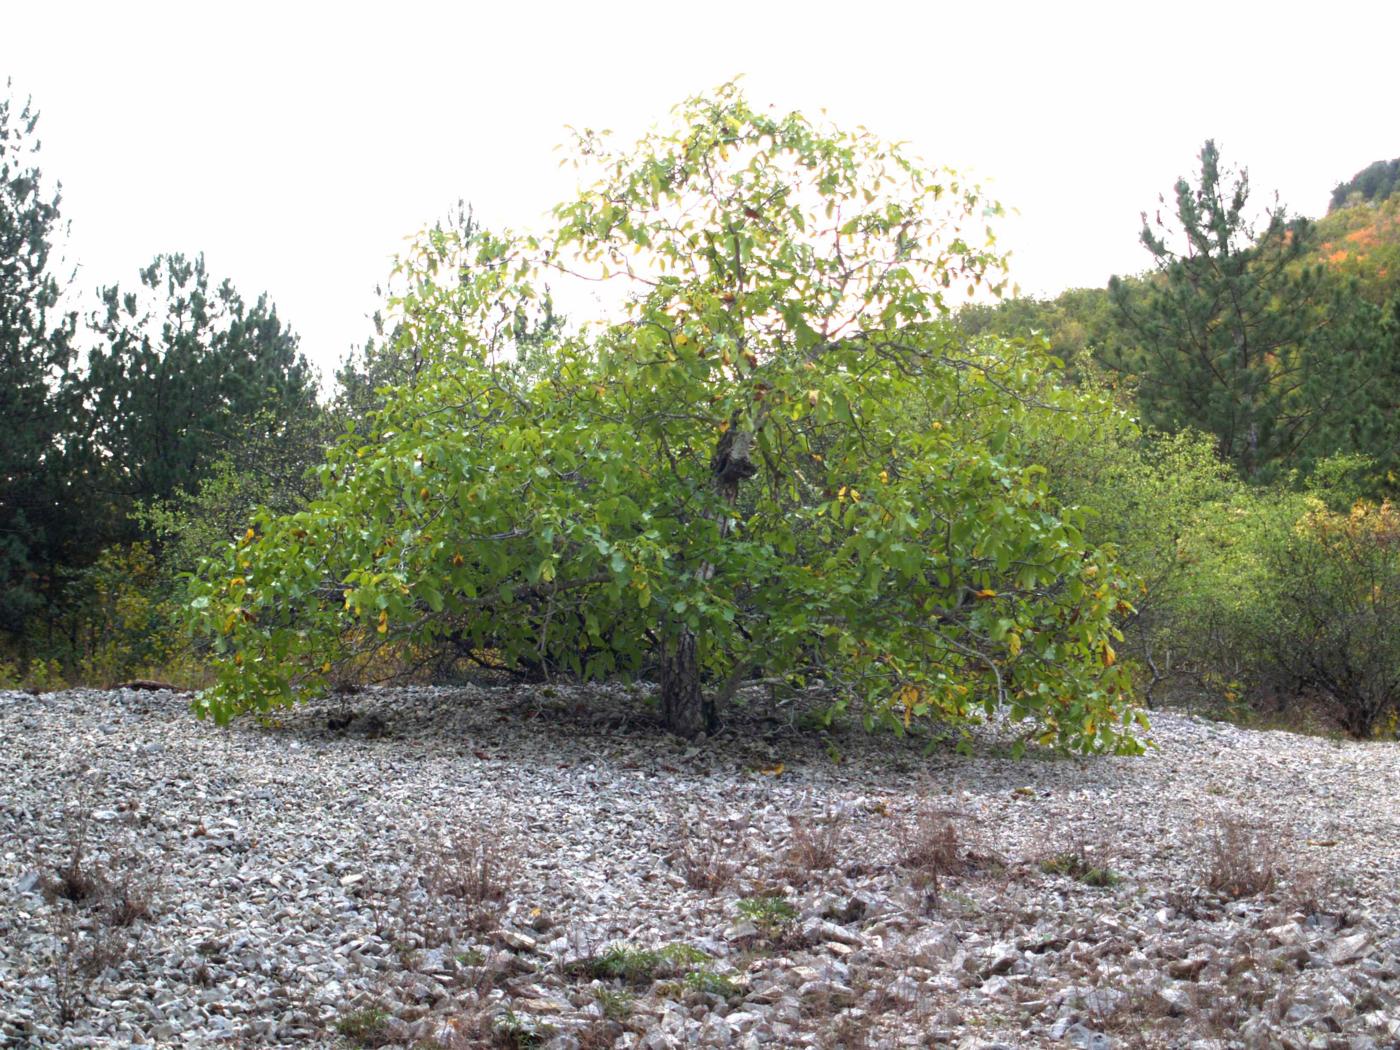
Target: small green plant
[639, 966]
[521, 1032]
[1076, 865]
[682, 955]
[708, 982]
[770, 913]
[617, 1005]
[368, 1026]
[622, 962]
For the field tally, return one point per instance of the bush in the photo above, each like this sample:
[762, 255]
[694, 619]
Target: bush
[779, 460]
[1180, 523]
[1332, 628]
[1266, 596]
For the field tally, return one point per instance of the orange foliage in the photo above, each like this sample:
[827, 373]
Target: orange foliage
[1366, 237]
[1376, 525]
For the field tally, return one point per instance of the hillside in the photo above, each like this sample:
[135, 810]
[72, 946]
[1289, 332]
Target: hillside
[507, 866]
[1363, 242]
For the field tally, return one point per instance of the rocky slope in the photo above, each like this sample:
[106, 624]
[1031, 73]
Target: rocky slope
[515, 866]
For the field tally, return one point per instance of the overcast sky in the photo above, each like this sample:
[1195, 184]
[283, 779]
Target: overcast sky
[297, 144]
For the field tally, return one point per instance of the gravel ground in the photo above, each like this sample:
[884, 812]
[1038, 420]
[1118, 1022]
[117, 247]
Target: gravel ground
[496, 865]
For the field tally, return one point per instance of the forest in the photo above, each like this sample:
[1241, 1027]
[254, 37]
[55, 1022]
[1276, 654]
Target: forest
[820, 445]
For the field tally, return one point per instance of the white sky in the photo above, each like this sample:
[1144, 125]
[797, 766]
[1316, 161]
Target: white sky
[297, 144]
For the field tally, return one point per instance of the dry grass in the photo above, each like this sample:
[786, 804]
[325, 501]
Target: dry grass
[455, 883]
[815, 844]
[708, 856]
[930, 849]
[1241, 861]
[92, 916]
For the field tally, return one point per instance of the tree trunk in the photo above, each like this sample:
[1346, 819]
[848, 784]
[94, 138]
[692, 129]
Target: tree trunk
[684, 708]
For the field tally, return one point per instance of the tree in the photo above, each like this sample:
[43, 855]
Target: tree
[36, 362]
[1080, 325]
[1373, 184]
[1234, 336]
[780, 462]
[181, 370]
[441, 255]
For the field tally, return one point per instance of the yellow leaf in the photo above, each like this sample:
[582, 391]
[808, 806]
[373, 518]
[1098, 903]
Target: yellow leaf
[985, 593]
[1109, 656]
[383, 622]
[1013, 643]
[773, 771]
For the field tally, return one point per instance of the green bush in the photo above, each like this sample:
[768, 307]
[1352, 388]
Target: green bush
[1331, 629]
[115, 620]
[1253, 597]
[779, 461]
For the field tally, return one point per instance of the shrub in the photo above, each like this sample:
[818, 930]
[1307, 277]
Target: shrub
[93, 916]
[1333, 627]
[1261, 595]
[113, 621]
[454, 883]
[779, 456]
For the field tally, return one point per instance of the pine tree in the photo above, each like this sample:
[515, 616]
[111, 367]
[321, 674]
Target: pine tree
[181, 369]
[36, 362]
[1233, 334]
